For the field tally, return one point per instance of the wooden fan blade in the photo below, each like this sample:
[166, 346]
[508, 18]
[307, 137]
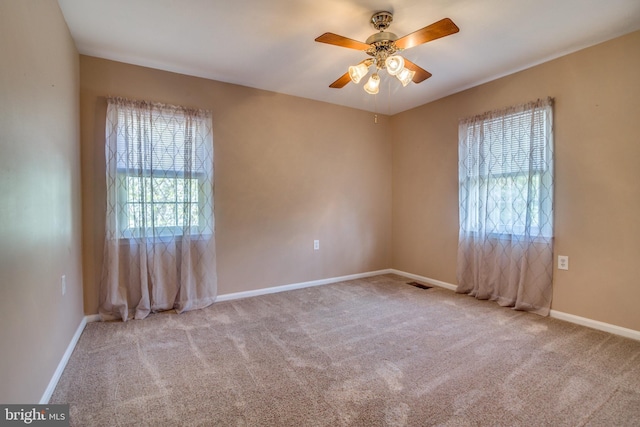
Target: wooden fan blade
[442, 28]
[420, 75]
[337, 40]
[341, 82]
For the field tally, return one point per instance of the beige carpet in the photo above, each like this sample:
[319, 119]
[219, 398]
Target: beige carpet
[368, 352]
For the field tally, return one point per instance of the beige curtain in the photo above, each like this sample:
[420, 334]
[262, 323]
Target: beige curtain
[160, 229]
[505, 250]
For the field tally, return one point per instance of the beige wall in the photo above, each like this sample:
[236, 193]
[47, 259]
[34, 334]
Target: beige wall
[40, 188]
[288, 171]
[597, 193]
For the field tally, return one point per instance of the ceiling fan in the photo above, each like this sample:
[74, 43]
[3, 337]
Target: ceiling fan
[383, 47]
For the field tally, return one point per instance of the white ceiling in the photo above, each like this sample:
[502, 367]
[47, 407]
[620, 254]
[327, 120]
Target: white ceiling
[270, 44]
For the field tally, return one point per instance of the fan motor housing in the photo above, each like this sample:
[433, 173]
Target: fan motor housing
[382, 36]
[382, 46]
[382, 43]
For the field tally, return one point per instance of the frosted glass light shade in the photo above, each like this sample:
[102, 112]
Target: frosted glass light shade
[373, 85]
[405, 76]
[357, 72]
[394, 64]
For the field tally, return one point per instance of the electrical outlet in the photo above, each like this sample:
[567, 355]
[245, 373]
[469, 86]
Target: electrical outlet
[563, 262]
[316, 245]
[63, 282]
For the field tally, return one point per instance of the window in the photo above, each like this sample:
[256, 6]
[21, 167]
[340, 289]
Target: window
[164, 171]
[505, 246]
[506, 173]
[159, 234]
[163, 203]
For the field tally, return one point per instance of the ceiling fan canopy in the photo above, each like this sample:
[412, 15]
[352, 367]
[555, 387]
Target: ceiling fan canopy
[383, 47]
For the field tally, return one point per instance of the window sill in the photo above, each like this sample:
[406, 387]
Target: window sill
[164, 239]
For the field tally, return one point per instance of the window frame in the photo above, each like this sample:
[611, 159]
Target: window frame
[127, 232]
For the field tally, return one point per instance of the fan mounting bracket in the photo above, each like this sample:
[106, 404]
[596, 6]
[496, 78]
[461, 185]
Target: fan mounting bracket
[381, 20]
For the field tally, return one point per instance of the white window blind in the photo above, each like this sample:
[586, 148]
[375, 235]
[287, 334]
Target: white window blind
[161, 140]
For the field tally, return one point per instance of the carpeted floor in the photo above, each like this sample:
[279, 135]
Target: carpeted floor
[367, 352]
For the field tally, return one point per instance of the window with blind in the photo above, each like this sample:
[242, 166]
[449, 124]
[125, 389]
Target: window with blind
[163, 174]
[506, 174]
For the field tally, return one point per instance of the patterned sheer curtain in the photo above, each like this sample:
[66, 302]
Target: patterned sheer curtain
[505, 250]
[160, 230]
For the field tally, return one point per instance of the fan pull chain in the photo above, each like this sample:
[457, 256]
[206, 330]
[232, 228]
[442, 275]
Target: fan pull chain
[375, 109]
[388, 97]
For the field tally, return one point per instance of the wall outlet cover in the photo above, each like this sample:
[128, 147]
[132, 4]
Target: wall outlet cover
[563, 262]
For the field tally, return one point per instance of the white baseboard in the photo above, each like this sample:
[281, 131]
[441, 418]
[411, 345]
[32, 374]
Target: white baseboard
[65, 357]
[433, 282]
[583, 321]
[275, 289]
[63, 363]
[595, 324]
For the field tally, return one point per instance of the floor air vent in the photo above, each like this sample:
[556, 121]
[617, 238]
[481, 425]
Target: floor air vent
[418, 285]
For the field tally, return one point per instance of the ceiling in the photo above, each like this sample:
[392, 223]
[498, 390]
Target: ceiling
[270, 44]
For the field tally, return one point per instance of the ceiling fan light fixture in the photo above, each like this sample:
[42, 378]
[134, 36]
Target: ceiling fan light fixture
[394, 64]
[405, 76]
[373, 85]
[357, 72]
[382, 48]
